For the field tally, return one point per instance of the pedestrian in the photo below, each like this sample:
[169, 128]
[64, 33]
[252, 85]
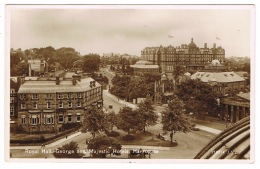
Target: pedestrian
[66, 136]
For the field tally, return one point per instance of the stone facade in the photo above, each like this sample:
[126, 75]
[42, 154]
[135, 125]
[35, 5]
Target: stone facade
[44, 106]
[190, 56]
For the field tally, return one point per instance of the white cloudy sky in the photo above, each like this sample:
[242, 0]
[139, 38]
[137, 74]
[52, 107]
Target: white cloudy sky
[129, 30]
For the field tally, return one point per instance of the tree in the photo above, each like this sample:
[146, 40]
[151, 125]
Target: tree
[147, 113]
[178, 71]
[91, 63]
[112, 119]
[94, 121]
[104, 145]
[197, 96]
[128, 119]
[69, 150]
[174, 119]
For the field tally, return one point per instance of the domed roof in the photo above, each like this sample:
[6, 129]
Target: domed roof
[143, 62]
[187, 74]
[215, 62]
[232, 143]
[192, 44]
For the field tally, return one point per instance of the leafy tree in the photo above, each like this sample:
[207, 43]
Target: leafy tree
[69, 150]
[112, 119]
[91, 63]
[104, 145]
[147, 113]
[178, 71]
[94, 121]
[174, 119]
[128, 119]
[197, 96]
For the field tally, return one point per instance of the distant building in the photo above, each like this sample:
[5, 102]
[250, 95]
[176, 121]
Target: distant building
[190, 56]
[235, 108]
[37, 67]
[142, 66]
[15, 83]
[44, 106]
[223, 82]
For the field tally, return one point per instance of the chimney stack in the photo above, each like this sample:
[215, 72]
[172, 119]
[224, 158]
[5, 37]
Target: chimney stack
[76, 78]
[57, 80]
[214, 45]
[94, 83]
[205, 45]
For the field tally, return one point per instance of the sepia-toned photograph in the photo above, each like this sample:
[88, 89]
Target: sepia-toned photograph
[127, 83]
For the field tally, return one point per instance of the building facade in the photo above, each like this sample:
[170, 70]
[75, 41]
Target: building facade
[44, 106]
[142, 67]
[189, 56]
[233, 109]
[226, 83]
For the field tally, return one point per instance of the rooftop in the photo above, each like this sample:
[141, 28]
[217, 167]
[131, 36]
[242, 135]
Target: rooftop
[222, 77]
[47, 86]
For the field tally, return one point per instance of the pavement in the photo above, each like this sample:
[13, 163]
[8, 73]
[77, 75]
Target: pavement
[133, 106]
[208, 129]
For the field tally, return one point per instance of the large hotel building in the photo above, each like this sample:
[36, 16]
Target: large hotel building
[45, 105]
[190, 56]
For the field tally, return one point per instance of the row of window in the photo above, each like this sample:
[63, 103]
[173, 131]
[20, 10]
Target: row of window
[48, 105]
[34, 120]
[62, 96]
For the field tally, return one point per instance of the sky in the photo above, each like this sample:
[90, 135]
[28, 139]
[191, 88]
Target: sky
[105, 29]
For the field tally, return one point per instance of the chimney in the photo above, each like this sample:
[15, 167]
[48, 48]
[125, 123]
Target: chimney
[75, 78]
[94, 83]
[90, 84]
[214, 45]
[57, 80]
[205, 45]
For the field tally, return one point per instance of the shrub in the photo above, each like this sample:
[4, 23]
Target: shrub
[128, 137]
[112, 133]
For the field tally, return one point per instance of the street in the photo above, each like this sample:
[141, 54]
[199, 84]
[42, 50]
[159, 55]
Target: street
[188, 144]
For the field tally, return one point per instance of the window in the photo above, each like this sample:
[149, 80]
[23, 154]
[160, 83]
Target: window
[49, 119]
[34, 120]
[60, 96]
[79, 95]
[60, 118]
[35, 96]
[78, 117]
[48, 96]
[22, 96]
[48, 105]
[60, 105]
[34, 105]
[11, 100]
[23, 119]
[69, 104]
[11, 110]
[69, 118]
[69, 95]
[12, 91]
[78, 104]
[23, 106]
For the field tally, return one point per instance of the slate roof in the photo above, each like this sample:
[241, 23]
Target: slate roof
[222, 77]
[244, 96]
[38, 86]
